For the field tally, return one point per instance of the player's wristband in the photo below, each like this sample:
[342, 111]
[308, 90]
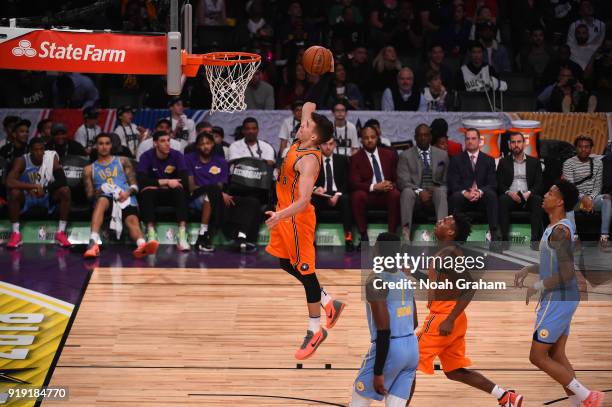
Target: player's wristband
[539, 285]
[382, 349]
[134, 189]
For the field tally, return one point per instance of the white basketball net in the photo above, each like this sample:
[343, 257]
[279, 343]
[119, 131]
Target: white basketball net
[228, 83]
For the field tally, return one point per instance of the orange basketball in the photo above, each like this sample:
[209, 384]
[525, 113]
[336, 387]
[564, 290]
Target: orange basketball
[317, 60]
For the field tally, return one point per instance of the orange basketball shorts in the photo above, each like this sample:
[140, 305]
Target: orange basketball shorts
[293, 239]
[449, 349]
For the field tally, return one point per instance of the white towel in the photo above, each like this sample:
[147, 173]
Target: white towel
[46, 169]
[116, 222]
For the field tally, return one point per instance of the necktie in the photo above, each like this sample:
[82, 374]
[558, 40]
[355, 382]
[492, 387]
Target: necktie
[425, 160]
[329, 178]
[474, 169]
[376, 167]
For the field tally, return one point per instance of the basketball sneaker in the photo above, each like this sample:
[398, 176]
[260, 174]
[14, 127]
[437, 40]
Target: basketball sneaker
[595, 399]
[93, 250]
[62, 239]
[14, 240]
[182, 243]
[333, 309]
[146, 249]
[511, 399]
[204, 243]
[310, 344]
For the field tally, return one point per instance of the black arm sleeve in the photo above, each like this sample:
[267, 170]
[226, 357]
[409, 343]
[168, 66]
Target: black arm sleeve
[382, 349]
[60, 177]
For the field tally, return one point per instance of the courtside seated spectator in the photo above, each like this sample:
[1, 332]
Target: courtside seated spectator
[382, 140]
[61, 144]
[250, 145]
[164, 126]
[289, 127]
[130, 134]
[402, 96]
[221, 146]
[472, 183]
[567, 95]
[43, 129]
[434, 97]
[345, 132]
[373, 176]
[17, 142]
[87, 132]
[8, 124]
[476, 75]
[184, 128]
[37, 180]
[421, 178]
[259, 93]
[586, 173]
[162, 179]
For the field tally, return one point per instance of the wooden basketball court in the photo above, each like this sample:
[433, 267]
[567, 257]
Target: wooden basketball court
[213, 337]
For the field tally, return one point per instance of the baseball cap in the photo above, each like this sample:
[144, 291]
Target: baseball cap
[124, 109]
[91, 113]
[58, 128]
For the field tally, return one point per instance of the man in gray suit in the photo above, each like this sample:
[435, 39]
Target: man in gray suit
[421, 178]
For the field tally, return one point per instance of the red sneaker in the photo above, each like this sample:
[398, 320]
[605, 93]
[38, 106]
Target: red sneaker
[333, 309]
[511, 399]
[92, 251]
[310, 344]
[14, 240]
[595, 399]
[146, 249]
[62, 239]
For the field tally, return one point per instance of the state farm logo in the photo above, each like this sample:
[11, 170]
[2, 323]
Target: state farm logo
[51, 50]
[24, 48]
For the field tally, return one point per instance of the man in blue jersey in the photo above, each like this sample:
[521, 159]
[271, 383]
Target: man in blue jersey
[110, 182]
[37, 179]
[389, 368]
[557, 287]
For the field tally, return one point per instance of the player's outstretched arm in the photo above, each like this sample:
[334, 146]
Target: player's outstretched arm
[307, 167]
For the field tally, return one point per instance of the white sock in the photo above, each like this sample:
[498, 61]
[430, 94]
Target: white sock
[314, 324]
[498, 392]
[574, 401]
[241, 235]
[394, 401]
[140, 242]
[325, 298]
[61, 227]
[578, 389]
[16, 227]
[357, 400]
[203, 228]
[94, 236]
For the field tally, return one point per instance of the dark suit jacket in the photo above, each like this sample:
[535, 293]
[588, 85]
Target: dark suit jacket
[361, 172]
[505, 174]
[340, 168]
[461, 176]
[606, 187]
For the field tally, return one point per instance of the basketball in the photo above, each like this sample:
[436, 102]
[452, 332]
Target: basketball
[317, 60]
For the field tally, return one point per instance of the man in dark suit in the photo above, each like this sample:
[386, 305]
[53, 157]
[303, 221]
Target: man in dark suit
[331, 189]
[373, 175]
[519, 180]
[472, 183]
[421, 176]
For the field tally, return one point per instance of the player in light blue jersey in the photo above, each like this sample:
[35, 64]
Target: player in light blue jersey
[109, 182]
[559, 296]
[389, 368]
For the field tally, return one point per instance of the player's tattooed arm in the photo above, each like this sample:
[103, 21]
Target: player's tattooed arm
[88, 182]
[561, 240]
[128, 169]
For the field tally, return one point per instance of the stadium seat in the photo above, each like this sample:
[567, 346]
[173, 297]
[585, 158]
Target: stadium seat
[474, 102]
[73, 165]
[519, 102]
[518, 82]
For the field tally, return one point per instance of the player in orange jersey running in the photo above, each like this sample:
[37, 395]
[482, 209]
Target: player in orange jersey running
[444, 329]
[292, 226]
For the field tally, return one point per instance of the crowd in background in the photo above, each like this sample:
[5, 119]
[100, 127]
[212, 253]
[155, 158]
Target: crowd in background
[190, 166]
[418, 55]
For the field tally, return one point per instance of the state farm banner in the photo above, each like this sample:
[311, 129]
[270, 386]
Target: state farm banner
[82, 51]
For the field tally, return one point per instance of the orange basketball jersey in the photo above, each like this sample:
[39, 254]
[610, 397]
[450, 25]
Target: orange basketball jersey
[293, 238]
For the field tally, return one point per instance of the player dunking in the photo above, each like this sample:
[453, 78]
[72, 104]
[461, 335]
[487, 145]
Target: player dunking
[559, 296]
[389, 368]
[292, 226]
[444, 329]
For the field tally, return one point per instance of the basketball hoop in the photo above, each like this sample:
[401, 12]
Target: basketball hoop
[228, 74]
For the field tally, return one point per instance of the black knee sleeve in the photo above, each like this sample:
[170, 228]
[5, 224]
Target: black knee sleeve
[309, 281]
